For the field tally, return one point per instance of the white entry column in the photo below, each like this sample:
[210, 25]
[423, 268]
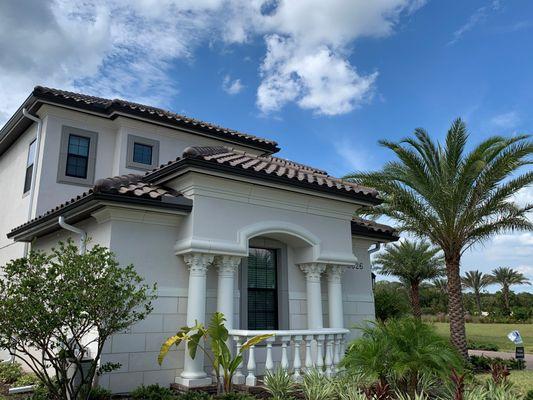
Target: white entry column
[335, 306]
[227, 266]
[193, 370]
[313, 271]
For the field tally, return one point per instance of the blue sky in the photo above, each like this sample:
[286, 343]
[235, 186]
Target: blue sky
[324, 79]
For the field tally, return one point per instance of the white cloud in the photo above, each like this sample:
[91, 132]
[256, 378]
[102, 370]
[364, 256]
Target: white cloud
[232, 86]
[353, 156]
[506, 120]
[474, 20]
[126, 49]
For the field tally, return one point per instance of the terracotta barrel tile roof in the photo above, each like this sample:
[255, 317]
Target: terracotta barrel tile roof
[266, 167]
[109, 106]
[361, 226]
[124, 186]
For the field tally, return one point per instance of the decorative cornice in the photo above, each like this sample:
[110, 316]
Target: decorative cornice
[198, 262]
[227, 265]
[313, 270]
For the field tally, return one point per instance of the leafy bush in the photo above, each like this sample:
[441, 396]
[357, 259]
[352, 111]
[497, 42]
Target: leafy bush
[316, 386]
[152, 392]
[72, 296]
[484, 363]
[236, 396]
[390, 300]
[10, 372]
[483, 346]
[27, 380]
[401, 352]
[194, 395]
[99, 393]
[522, 314]
[280, 384]
[529, 395]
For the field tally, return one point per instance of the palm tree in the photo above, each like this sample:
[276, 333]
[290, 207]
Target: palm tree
[413, 263]
[441, 284]
[506, 277]
[453, 197]
[476, 281]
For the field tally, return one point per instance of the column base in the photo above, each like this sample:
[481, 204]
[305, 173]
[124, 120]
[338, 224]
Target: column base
[194, 382]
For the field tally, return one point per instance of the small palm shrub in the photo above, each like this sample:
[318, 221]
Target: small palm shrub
[316, 386]
[99, 393]
[401, 352]
[10, 372]
[152, 392]
[193, 395]
[280, 384]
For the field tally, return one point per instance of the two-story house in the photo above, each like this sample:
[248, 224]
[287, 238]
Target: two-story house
[209, 213]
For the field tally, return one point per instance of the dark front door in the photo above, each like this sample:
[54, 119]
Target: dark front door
[262, 290]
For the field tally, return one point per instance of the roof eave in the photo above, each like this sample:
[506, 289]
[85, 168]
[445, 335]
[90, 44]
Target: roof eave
[159, 175]
[82, 209]
[382, 236]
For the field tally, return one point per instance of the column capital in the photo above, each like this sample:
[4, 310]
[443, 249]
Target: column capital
[198, 262]
[313, 270]
[335, 272]
[227, 264]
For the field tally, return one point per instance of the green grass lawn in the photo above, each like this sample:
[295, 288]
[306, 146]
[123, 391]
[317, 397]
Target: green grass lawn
[522, 380]
[493, 333]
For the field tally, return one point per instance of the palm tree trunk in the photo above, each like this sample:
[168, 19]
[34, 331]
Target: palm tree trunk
[478, 302]
[505, 292]
[455, 304]
[415, 300]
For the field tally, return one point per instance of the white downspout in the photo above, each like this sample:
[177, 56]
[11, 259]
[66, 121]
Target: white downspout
[82, 233]
[35, 166]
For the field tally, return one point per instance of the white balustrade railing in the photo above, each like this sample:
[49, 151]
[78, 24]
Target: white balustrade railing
[322, 349]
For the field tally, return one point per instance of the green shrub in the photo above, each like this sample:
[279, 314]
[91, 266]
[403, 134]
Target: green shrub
[280, 384]
[529, 395]
[401, 353]
[193, 395]
[152, 392]
[316, 386]
[483, 363]
[390, 300]
[236, 396]
[99, 393]
[27, 380]
[482, 346]
[10, 372]
[522, 314]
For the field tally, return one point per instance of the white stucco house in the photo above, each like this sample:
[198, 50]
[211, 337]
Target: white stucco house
[209, 213]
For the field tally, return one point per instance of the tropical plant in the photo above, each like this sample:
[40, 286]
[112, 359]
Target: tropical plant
[390, 300]
[399, 353]
[454, 198]
[280, 384]
[506, 277]
[152, 392]
[317, 386]
[413, 263]
[56, 306]
[476, 281]
[220, 354]
[10, 372]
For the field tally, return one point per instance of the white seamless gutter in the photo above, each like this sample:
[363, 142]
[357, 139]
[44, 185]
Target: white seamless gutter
[35, 166]
[82, 233]
[373, 250]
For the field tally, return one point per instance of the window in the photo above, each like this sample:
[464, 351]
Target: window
[77, 156]
[262, 290]
[29, 167]
[142, 153]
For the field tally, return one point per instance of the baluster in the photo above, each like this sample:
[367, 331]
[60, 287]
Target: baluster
[238, 378]
[251, 379]
[320, 353]
[308, 353]
[269, 364]
[297, 362]
[337, 354]
[284, 357]
[329, 355]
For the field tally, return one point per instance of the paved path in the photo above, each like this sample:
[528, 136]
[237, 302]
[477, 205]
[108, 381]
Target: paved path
[504, 355]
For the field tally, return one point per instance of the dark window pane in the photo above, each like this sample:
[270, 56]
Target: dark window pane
[262, 290]
[78, 156]
[31, 154]
[78, 145]
[27, 178]
[142, 153]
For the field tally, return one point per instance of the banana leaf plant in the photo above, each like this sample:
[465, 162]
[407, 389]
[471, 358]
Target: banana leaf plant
[216, 334]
